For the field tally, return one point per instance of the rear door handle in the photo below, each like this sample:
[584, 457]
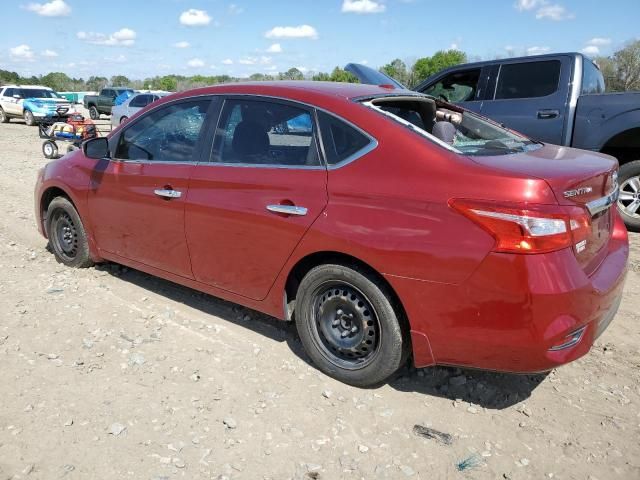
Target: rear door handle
[166, 193]
[548, 114]
[288, 209]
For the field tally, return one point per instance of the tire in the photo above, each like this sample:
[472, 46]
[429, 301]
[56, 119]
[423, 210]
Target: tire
[123, 119]
[29, 119]
[93, 113]
[49, 149]
[4, 118]
[349, 326]
[67, 237]
[629, 199]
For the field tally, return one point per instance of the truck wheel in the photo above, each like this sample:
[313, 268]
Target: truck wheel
[93, 113]
[49, 149]
[349, 325]
[629, 199]
[3, 117]
[29, 119]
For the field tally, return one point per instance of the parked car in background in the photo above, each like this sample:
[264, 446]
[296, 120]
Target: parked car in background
[559, 99]
[349, 221]
[33, 103]
[120, 113]
[102, 103]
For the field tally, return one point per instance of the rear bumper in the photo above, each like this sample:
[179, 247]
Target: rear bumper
[516, 311]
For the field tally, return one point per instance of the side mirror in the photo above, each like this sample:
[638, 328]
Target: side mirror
[96, 148]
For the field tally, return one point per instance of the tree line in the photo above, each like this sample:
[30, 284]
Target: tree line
[621, 71]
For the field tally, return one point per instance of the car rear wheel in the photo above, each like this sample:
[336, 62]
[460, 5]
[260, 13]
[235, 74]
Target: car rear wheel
[4, 118]
[67, 236]
[629, 198]
[49, 149]
[29, 119]
[93, 113]
[349, 326]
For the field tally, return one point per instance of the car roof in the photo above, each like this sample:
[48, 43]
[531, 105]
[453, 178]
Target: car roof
[26, 86]
[301, 90]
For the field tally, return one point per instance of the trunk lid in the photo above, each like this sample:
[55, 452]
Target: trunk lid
[577, 178]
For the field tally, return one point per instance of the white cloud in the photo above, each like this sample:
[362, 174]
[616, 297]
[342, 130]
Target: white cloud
[195, 63]
[124, 37]
[235, 9]
[55, 8]
[454, 46]
[195, 18]
[528, 4]
[599, 42]
[554, 12]
[301, 31]
[275, 48]
[362, 6]
[537, 50]
[227, 61]
[22, 52]
[591, 50]
[263, 60]
[49, 53]
[118, 59]
[544, 9]
[182, 44]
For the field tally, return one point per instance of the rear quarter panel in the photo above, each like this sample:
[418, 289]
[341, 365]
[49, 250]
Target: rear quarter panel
[600, 117]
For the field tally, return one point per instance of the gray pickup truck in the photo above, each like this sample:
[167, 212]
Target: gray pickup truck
[557, 98]
[103, 102]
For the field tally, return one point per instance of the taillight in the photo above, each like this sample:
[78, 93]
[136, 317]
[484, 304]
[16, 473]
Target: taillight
[528, 228]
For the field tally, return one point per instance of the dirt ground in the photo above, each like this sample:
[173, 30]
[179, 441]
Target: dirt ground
[109, 373]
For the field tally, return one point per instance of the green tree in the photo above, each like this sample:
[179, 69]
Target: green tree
[120, 81]
[397, 70]
[427, 66]
[627, 62]
[97, 83]
[57, 80]
[168, 83]
[340, 75]
[321, 77]
[292, 74]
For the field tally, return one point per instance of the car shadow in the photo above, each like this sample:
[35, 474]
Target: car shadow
[491, 390]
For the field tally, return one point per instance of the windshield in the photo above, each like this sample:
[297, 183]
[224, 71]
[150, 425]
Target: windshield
[455, 129]
[38, 93]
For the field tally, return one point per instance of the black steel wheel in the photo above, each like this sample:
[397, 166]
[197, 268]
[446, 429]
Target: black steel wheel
[67, 236]
[350, 325]
[93, 113]
[345, 325]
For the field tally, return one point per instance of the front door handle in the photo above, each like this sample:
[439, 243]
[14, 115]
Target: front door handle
[548, 114]
[167, 193]
[288, 209]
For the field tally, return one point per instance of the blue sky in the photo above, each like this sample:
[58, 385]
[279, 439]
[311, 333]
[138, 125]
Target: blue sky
[144, 38]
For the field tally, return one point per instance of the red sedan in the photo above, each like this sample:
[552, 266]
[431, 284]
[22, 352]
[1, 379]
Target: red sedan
[385, 223]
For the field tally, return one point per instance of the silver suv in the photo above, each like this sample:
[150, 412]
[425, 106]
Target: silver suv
[33, 103]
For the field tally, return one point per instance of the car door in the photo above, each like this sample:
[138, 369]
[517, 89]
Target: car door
[261, 189]
[137, 198]
[464, 87]
[10, 104]
[528, 97]
[105, 100]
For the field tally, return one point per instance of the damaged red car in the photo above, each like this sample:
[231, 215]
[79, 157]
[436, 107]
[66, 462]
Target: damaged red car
[387, 224]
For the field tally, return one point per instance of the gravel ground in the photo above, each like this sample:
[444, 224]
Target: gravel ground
[109, 373]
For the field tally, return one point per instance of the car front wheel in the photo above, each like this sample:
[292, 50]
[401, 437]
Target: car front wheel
[67, 236]
[629, 197]
[93, 113]
[3, 117]
[349, 325]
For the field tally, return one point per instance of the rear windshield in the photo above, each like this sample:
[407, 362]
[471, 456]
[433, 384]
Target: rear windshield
[457, 130]
[38, 93]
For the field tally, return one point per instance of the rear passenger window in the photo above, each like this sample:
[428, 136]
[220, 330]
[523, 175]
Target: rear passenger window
[252, 132]
[528, 80]
[341, 141]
